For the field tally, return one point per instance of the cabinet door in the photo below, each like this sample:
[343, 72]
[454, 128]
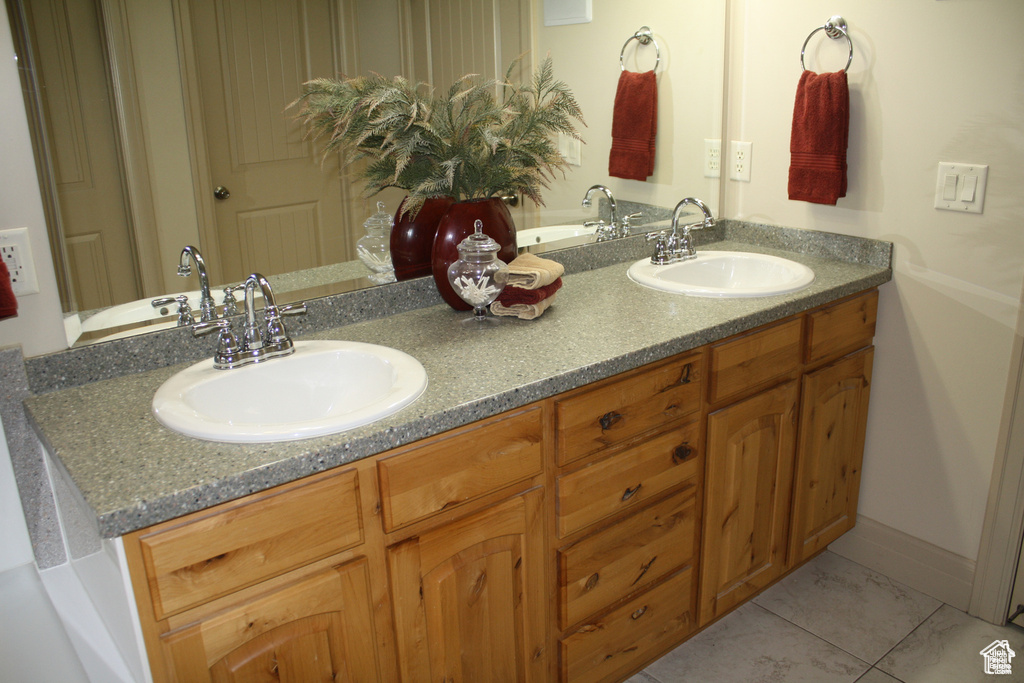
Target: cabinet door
[470, 598]
[833, 420]
[317, 629]
[748, 481]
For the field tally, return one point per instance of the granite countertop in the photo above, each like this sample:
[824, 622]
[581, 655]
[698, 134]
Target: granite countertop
[132, 472]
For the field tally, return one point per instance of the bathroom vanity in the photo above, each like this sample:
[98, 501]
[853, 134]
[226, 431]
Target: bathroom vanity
[571, 498]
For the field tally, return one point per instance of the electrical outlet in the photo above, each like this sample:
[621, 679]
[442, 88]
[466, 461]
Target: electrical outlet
[739, 161]
[16, 251]
[712, 158]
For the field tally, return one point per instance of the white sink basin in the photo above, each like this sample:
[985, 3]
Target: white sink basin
[323, 388]
[724, 274]
[551, 233]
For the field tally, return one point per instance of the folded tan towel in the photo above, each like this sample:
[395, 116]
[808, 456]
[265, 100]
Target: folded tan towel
[523, 311]
[531, 272]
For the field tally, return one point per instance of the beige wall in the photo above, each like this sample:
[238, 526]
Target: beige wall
[930, 81]
[586, 57]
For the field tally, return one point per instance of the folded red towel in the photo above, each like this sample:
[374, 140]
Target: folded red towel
[634, 126]
[821, 130]
[8, 302]
[511, 295]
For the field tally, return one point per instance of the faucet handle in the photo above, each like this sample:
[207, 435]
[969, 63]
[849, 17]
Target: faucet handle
[230, 302]
[184, 310]
[624, 228]
[662, 250]
[228, 347]
[297, 308]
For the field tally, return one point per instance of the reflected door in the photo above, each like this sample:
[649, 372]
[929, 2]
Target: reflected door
[452, 38]
[280, 206]
[75, 95]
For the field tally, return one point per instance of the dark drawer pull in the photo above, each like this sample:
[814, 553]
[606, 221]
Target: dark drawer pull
[639, 613]
[685, 377]
[630, 492]
[682, 453]
[592, 581]
[609, 420]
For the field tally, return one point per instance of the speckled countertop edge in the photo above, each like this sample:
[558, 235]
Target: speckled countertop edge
[132, 472]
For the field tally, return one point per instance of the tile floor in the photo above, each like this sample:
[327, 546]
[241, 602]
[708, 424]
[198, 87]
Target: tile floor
[835, 621]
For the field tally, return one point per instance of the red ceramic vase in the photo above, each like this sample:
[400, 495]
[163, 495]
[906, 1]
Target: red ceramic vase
[457, 225]
[412, 239]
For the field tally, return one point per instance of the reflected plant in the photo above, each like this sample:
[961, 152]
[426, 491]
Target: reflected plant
[481, 138]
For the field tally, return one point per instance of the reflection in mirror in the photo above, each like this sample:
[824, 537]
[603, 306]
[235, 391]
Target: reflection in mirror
[162, 123]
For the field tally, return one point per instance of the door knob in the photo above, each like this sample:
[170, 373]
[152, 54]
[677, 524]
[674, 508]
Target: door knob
[221, 192]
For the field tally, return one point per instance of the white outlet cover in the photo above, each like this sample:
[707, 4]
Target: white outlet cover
[18, 238]
[961, 174]
[739, 160]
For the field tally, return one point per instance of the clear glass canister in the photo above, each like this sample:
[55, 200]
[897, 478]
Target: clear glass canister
[478, 276]
[374, 248]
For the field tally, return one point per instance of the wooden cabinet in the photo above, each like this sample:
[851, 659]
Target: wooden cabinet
[750, 449]
[833, 421]
[627, 515]
[776, 494]
[470, 597]
[316, 629]
[577, 538]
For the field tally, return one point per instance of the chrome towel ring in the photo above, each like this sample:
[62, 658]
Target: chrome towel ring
[644, 37]
[833, 28]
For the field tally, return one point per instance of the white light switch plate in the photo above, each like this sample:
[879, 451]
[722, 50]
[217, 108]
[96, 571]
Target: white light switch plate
[964, 180]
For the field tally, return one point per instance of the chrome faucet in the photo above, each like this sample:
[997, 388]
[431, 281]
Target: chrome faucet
[604, 231]
[674, 246]
[258, 343]
[207, 306]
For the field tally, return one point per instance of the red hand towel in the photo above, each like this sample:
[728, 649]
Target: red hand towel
[634, 126]
[512, 295]
[821, 130]
[8, 302]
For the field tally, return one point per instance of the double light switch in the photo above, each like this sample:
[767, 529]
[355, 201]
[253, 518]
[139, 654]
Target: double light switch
[961, 187]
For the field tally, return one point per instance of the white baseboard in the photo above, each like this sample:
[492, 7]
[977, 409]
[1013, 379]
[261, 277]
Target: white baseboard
[924, 567]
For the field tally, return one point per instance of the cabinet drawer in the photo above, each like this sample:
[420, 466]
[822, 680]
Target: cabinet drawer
[461, 466]
[621, 410]
[629, 556]
[838, 329]
[203, 558]
[608, 648]
[626, 479]
[754, 360]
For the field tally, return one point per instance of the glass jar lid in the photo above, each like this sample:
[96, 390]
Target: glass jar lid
[382, 220]
[478, 242]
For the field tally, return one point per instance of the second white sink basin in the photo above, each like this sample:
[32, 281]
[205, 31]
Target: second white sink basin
[724, 274]
[323, 388]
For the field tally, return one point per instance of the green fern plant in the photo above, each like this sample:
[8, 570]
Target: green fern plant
[482, 138]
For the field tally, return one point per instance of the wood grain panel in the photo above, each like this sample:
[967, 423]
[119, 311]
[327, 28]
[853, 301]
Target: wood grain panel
[629, 556]
[754, 360]
[264, 57]
[623, 409]
[460, 466]
[279, 240]
[88, 265]
[625, 480]
[747, 495]
[470, 597]
[214, 554]
[608, 648]
[841, 328]
[833, 423]
[319, 628]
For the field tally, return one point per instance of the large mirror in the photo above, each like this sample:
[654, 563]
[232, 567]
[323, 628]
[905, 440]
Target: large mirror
[162, 123]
